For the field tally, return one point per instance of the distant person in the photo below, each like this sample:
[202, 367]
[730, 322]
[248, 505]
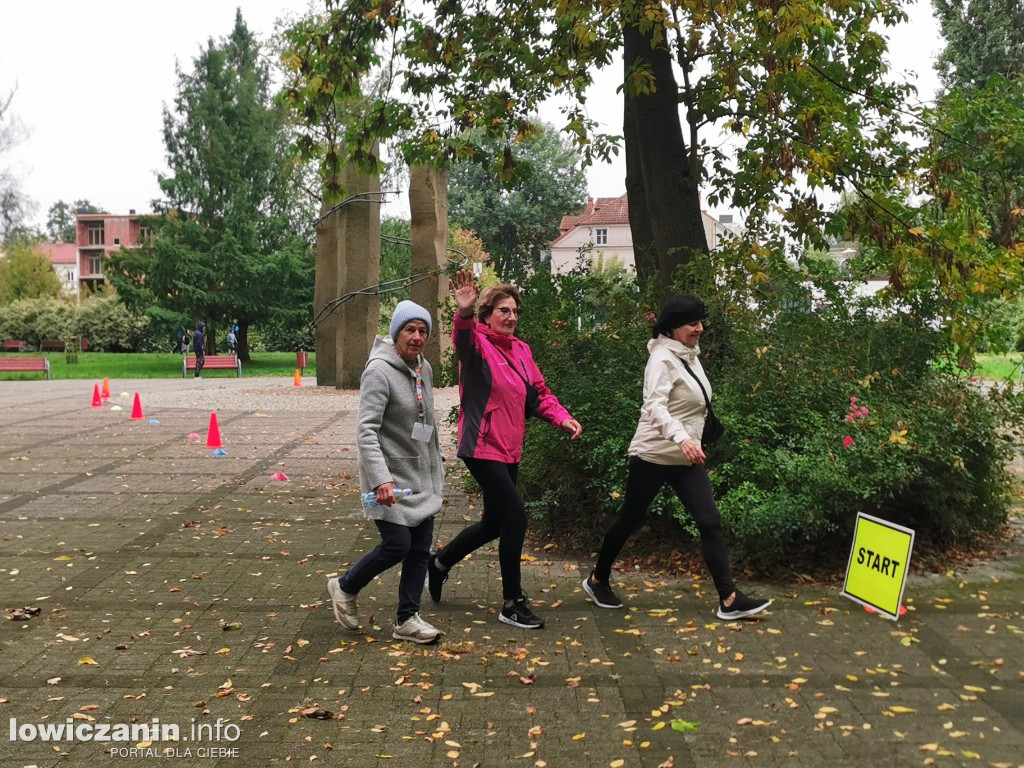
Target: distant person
[232, 340]
[178, 336]
[498, 383]
[198, 341]
[667, 449]
[186, 342]
[396, 434]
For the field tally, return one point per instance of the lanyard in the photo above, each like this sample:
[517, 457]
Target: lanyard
[420, 408]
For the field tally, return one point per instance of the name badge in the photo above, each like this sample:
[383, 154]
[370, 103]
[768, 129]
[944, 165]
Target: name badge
[421, 431]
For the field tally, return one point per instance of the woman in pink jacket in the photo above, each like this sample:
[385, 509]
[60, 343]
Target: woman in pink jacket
[496, 372]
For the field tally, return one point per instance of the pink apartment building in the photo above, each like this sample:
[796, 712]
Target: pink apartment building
[97, 234]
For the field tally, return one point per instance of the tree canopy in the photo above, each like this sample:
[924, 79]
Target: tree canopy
[799, 87]
[25, 273]
[517, 219]
[983, 38]
[14, 204]
[231, 238]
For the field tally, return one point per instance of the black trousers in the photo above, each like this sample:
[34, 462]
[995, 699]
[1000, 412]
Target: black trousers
[503, 518]
[200, 360]
[693, 488]
[398, 544]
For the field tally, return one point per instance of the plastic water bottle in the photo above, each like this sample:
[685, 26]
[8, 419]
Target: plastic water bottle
[370, 497]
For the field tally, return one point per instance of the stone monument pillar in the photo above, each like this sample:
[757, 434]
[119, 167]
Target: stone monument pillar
[428, 206]
[360, 268]
[329, 234]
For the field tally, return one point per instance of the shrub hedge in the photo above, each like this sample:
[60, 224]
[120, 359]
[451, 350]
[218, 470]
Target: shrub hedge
[831, 410]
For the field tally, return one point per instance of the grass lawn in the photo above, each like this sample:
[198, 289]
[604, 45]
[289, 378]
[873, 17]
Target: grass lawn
[1000, 367]
[156, 365]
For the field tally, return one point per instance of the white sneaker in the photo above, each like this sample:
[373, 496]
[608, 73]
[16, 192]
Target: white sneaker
[344, 605]
[416, 630]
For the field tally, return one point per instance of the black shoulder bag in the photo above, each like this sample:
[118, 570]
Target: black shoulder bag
[532, 395]
[713, 428]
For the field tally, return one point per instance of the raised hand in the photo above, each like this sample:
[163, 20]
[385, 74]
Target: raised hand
[465, 292]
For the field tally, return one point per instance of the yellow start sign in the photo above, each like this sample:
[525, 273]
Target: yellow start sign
[877, 571]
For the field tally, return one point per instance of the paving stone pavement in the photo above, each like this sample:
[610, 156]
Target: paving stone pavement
[178, 586]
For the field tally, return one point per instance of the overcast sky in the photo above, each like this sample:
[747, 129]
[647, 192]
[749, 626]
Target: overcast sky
[92, 79]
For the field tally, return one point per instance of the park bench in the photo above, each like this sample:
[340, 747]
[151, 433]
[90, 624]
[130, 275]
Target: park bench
[51, 345]
[14, 345]
[40, 364]
[212, 362]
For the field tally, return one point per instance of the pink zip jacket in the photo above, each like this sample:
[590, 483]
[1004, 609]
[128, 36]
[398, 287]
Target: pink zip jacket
[492, 418]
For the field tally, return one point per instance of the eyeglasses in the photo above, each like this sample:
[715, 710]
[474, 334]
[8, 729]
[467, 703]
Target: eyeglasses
[506, 311]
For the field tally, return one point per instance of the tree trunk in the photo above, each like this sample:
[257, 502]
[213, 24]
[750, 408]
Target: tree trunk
[657, 152]
[645, 254]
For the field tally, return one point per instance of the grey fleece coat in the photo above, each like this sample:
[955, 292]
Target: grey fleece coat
[387, 451]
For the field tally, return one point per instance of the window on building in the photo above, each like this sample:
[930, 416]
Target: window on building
[95, 233]
[145, 234]
[95, 265]
[600, 237]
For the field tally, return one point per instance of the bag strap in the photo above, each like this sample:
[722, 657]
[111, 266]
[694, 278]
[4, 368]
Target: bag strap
[689, 370]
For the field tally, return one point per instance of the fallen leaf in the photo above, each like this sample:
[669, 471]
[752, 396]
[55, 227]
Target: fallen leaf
[684, 726]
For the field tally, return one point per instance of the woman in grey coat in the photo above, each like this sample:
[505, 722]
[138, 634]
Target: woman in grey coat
[398, 449]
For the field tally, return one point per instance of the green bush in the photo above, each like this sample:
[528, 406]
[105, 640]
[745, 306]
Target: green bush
[930, 452]
[35, 319]
[110, 327]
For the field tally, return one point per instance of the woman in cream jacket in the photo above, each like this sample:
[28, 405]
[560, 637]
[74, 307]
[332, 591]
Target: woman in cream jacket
[666, 448]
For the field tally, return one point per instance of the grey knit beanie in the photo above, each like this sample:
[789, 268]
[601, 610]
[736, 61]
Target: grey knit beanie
[406, 311]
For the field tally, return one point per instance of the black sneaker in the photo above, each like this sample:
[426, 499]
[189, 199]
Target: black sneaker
[435, 579]
[600, 592]
[519, 615]
[742, 607]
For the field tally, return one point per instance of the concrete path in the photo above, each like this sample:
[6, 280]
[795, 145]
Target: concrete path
[178, 586]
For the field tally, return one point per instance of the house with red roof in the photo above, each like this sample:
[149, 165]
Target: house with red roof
[64, 260]
[600, 236]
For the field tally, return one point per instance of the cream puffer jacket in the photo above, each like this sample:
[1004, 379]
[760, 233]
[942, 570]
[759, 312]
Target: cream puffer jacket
[673, 409]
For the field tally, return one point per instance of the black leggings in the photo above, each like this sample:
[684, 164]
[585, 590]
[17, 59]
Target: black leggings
[693, 488]
[398, 544]
[503, 518]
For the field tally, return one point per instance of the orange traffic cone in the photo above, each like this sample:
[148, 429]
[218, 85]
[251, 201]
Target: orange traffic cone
[105, 393]
[213, 436]
[136, 408]
[96, 401]
[298, 378]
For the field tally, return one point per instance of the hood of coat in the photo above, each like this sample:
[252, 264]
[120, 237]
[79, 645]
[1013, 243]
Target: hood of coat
[384, 349]
[503, 341]
[677, 348]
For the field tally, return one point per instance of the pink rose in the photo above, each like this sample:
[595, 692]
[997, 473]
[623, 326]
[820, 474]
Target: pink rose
[849, 442]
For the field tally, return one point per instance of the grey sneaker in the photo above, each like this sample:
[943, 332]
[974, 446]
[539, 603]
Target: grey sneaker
[344, 605]
[416, 630]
